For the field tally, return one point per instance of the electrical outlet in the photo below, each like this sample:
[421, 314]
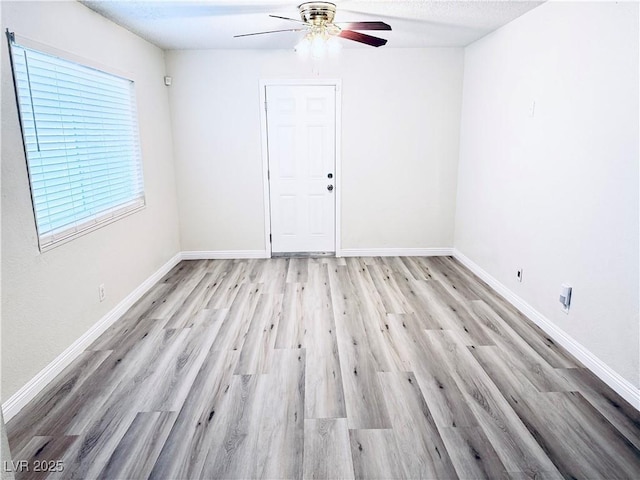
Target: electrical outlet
[101, 292]
[519, 275]
[565, 297]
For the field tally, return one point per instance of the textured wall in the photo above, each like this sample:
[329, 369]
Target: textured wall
[400, 123]
[50, 299]
[556, 193]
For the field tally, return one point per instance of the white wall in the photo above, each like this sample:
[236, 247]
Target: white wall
[400, 124]
[49, 300]
[557, 193]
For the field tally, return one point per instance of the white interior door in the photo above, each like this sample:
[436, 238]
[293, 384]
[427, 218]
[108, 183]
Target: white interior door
[301, 144]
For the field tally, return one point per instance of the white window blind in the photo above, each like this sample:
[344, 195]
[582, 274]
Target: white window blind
[81, 140]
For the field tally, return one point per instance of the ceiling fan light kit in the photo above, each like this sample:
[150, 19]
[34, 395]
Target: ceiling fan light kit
[320, 38]
[317, 20]
[317, 45]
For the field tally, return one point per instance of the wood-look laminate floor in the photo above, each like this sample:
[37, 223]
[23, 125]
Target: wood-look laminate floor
[327, 368]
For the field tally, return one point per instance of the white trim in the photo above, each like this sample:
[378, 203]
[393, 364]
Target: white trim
[337, 177]
[605, 373]
[72, 57]
[224, 254]
[337, 83]
[396, 252]
[265, 167]
[34, 386]
[90, 225]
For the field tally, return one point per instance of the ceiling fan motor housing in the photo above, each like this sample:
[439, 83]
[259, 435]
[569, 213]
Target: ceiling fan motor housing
[317, 18]
[317, 13]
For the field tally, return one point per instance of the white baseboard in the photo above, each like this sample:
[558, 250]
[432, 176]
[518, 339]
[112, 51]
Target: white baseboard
[223, 254]
[619, 384]
[349, 252]
[34, 386]
[18, 400]
[395, 252]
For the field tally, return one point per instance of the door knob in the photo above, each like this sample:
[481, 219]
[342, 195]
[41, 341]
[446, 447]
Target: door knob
[329, 187]
[330, 175]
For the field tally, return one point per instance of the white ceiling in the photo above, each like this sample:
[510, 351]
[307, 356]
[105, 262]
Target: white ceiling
[187, 24]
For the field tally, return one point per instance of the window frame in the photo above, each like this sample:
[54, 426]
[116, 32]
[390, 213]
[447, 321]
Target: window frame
[62, 235]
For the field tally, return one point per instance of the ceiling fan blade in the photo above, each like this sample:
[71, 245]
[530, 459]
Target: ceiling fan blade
[290, 19]
[362, 38]
[364, 25]
[271, 31]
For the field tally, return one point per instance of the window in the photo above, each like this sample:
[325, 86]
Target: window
[80, 133]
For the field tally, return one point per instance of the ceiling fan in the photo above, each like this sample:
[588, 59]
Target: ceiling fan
[317, 21]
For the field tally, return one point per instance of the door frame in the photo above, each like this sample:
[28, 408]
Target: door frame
[337, 83]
